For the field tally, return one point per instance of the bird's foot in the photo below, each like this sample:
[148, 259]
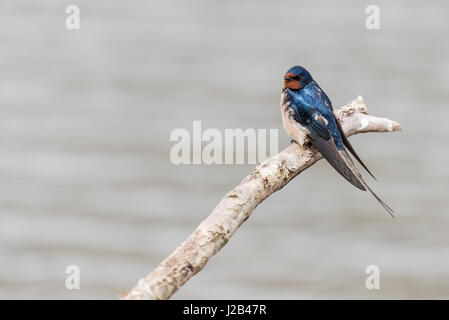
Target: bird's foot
[304, 144]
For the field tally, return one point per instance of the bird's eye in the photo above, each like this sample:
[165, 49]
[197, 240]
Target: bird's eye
[295, 77]
[291, 76]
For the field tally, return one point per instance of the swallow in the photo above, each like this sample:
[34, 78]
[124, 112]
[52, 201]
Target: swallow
[307, 113]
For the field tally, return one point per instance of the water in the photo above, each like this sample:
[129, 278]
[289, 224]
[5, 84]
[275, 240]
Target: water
[85, 120]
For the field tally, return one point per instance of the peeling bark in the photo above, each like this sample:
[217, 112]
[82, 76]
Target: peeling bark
[237, 205]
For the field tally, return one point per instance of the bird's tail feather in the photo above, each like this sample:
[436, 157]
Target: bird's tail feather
[386, 207]
[330, 152]
[356, 171]
[342, 162]
[350, 148]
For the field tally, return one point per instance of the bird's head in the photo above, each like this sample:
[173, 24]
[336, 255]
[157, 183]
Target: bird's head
[296, 78]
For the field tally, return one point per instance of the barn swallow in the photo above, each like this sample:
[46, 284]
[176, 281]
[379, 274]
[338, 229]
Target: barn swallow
[307, 112]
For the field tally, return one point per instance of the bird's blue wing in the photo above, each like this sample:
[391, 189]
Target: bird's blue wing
[317, 125]
[324, 105]
[314, 94]
[308, 116]
[339, 159]
[312, 110]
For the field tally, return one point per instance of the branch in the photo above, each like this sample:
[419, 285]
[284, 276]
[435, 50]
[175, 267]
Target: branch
[236, 206]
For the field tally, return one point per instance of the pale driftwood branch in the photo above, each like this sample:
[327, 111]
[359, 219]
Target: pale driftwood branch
[236, 206]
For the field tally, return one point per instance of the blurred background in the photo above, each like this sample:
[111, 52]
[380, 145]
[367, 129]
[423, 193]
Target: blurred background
[85, 122]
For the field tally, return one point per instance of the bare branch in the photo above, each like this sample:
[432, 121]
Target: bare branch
[236, 206]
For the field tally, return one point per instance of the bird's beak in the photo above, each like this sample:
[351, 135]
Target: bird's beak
[287, 78]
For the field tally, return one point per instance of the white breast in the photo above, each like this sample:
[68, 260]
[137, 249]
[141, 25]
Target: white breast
[292, 127]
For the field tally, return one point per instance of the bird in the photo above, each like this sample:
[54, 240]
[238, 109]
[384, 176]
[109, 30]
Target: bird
[308, 115]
